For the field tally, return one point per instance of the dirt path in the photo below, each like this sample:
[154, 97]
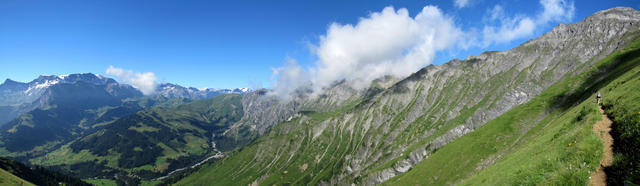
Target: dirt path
[602, 128]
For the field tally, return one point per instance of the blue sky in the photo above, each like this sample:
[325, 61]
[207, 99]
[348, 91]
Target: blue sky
[216, 44]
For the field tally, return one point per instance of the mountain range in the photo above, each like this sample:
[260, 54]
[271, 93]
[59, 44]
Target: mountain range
[169, 90]
[53, 112]
[523, 116]
[17, 98]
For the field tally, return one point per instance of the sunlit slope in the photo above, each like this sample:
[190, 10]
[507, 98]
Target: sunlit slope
[151, 142]
[547, 141]
[7, 178]
[388, 132]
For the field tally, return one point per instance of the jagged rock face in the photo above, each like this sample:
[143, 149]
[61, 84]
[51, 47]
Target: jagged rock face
[262, 110]
[397, 128]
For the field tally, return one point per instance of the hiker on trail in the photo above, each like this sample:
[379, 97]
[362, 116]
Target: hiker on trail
[598, 98]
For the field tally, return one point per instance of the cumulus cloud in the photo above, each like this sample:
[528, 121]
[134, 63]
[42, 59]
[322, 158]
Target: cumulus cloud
[502, 29]
[386, 43]
[460, 3]
[508, 29]
[145, 82]
[391, 42]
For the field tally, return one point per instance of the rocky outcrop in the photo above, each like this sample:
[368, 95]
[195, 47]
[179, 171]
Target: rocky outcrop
[263, 110]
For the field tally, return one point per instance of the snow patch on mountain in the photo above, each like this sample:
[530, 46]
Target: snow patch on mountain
[169, 90]
[45, 84]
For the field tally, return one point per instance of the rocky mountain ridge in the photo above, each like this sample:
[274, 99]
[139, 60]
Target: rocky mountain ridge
[34, 89]
[396, 128]
[169, 90]
[17, 98]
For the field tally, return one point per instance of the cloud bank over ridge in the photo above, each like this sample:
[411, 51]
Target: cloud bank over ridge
[390, 42]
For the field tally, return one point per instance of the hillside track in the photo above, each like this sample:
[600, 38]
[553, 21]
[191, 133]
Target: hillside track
[602, 129]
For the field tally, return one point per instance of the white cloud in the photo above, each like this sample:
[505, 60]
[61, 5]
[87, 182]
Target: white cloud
[389, 42]
[556, 10]
[495, 13]
[288, 78]
[508, 30]
[502, 29]
[145, 82]
[460, 3]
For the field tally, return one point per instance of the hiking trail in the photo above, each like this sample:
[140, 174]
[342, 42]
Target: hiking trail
[602, 129]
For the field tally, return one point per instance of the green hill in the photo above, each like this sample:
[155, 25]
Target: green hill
[7, 178]
[547, 141]
[149, 143]
[43, 130]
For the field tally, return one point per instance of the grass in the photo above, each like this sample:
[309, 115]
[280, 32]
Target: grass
[547, 141]
[102, 182]
[7, 178]
[285, 171]
[150, 182]
[621, 101]
[143, 128]
[64, 155]
[561, 151]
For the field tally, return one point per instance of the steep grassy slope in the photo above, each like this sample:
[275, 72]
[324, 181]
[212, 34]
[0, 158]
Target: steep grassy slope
[621, 102]
[7, 178]
[388, 132]
[546, 141]
[243, 168]
[149, 143]
[263, 110]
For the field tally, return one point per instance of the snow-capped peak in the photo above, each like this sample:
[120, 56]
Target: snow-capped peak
[172, 90]
[100, 76]
[42, 85]
[45, 81]
[244, 90]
